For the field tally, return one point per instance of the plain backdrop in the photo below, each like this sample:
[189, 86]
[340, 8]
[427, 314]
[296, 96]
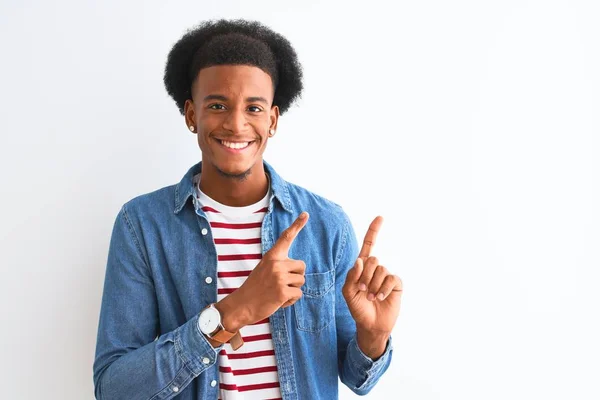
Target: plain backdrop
[471, 127]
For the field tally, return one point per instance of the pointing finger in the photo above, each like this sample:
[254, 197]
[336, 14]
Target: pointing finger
[280, 249]
[370, 237]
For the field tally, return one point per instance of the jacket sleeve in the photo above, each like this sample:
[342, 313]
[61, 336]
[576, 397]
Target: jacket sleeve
[356, 370]
[131, 362]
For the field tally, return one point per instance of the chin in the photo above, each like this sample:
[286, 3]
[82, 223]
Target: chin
[234, 170]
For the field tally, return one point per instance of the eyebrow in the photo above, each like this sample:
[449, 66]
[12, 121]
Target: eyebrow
[257, 99]
[254, 99]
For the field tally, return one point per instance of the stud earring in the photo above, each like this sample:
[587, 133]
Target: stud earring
[271, 132]
[192, 128]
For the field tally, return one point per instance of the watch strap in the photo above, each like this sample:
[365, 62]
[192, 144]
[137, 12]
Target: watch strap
[221, 335]
[235, 339]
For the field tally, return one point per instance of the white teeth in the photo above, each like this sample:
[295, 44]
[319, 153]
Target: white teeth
[233, 145]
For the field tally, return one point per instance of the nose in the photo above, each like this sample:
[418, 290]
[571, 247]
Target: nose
[235, 121]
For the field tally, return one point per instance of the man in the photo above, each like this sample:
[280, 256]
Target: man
[235, 284]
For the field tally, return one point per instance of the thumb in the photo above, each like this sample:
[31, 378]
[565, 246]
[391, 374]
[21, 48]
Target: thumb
[355, 272]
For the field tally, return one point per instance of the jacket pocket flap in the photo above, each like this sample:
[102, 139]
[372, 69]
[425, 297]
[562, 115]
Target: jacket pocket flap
[318, 283]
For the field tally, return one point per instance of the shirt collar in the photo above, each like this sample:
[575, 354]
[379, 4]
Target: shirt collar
[185, 188]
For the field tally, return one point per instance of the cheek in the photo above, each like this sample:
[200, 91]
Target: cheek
[202, 133]
[208, 122]
[261, 125]
[206, 126]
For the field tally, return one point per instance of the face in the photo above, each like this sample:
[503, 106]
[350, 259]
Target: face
[231, 110]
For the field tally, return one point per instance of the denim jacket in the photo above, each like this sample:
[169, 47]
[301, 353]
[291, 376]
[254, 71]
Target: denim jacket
[161, 253]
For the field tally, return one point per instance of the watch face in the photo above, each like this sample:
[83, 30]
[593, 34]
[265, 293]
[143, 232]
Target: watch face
[209, 320]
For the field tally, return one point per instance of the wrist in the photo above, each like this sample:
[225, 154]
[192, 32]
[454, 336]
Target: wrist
[371, 343]
[233, 315]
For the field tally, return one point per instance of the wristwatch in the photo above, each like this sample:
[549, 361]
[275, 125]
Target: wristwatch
[210, 325]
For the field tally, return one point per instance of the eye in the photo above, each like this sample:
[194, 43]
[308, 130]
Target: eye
[255, 109]
[216, 106]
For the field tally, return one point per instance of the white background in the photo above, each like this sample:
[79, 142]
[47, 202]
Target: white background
[471, 126]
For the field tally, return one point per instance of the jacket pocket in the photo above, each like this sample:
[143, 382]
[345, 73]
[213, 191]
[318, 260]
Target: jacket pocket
[316, 308]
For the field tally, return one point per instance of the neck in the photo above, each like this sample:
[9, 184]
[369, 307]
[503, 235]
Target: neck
[234, 191]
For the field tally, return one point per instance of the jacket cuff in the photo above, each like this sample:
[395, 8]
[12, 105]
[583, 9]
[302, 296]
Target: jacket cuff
[366, 366]
[194, 348]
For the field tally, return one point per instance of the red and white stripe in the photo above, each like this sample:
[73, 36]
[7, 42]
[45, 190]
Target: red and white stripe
[251, 371]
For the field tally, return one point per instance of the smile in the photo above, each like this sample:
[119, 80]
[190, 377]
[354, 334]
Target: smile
[234, 146]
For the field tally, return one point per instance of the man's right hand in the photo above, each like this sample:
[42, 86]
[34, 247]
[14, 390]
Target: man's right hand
[274, 283]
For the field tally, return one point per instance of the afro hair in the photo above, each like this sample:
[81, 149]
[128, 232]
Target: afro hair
[233, 42]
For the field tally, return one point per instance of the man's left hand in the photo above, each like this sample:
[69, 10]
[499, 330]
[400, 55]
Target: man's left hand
[372, 295]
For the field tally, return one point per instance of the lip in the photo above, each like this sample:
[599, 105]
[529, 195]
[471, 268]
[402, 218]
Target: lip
[234, 151]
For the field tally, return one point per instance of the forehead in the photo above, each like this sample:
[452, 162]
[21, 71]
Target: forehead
[233, 79]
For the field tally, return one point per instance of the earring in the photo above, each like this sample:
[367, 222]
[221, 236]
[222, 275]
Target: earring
[271, 132]
[192, 128]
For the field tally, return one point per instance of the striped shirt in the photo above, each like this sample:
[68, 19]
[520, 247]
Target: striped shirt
[251, 371]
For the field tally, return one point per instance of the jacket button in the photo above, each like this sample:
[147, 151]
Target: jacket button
[208, 279]
[204, 231]
[213, 383]
[205, 360]
[175, 389]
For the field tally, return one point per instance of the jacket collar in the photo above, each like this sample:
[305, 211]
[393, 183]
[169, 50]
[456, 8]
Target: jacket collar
[185, 188]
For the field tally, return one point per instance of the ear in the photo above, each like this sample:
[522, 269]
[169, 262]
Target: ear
[190, 115]
[274, 117]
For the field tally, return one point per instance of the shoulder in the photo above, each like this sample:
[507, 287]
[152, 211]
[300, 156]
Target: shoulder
[316, 205]
[151, 204]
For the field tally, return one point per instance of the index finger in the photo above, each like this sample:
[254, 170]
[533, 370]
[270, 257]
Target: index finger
[370, 236]
[282, 246]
